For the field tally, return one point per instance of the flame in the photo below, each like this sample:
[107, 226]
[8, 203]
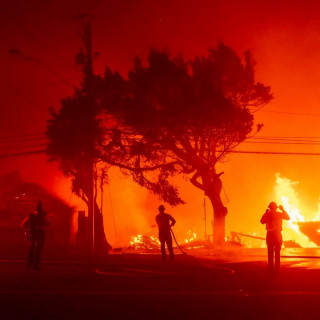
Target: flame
[145, 242]
[191, 236]
[149, 242]
[288, 197]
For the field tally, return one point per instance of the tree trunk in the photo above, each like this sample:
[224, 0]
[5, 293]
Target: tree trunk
[219, 229]
[219, 217]
[101, 245]
[219, 211]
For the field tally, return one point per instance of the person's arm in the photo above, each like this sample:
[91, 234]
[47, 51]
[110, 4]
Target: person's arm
[24, 222]
[173, 222]
[284, 213]
[264, 217]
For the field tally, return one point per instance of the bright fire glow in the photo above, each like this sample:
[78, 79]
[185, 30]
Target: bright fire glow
[288, 197]
[191, 236]
[145, 242]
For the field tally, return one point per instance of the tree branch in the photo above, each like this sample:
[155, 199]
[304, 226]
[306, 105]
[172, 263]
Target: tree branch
[196, 183]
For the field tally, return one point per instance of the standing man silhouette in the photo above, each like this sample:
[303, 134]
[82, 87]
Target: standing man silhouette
[165, 221]
[41, 224]
[35, 224]
[273, 221]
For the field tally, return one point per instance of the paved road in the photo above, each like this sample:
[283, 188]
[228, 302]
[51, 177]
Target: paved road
[138, 287]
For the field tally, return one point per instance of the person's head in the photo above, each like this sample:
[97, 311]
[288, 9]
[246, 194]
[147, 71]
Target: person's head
[273, 206]
[161, 208]
[40, 208]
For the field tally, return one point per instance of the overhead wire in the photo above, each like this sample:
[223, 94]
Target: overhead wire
[276, 153]
[291, 113]
[17, 154]
[25, 146]
[269, 140]
[33, 38]
[288, 143]
[17, 140]
[23, 135]
[20, 145]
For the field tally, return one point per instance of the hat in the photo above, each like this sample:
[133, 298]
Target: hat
[272, 205]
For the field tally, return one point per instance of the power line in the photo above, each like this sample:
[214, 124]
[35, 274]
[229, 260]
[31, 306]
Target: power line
[316, 143]
[3, 156]
[291, 113]
[17, 52]
[28, 99]
[276, 153]
[292, 139]
[23, 135]
[40, 136]
[286, 137]
[24, 147]
[33, 38]
[22, 141]
[59, 77]
[31, 134]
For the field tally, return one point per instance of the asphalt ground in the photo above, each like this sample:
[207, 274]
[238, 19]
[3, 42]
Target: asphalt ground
[141, 287]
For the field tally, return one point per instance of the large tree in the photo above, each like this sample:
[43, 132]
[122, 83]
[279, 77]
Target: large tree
[73, 134]
[182, 117]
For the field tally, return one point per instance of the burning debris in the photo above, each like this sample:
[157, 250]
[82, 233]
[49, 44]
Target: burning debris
[144, 243]
[150, 243]
[191, 236]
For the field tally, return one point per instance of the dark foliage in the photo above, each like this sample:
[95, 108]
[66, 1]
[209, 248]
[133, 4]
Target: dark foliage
[182, 116]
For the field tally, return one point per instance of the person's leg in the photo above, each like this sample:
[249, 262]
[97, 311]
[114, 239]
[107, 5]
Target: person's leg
[170, 248]
[271, 249]
[270, 256]
[277, 257]
[31, 253]
[163, 247]
[278, 245]
[38, 251]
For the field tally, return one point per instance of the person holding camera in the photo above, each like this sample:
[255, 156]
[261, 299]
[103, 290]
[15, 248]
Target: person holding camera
[272, 218]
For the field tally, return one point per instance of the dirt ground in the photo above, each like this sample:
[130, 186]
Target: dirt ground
[131, 286]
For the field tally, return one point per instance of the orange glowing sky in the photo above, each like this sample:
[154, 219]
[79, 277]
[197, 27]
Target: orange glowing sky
[284, 37]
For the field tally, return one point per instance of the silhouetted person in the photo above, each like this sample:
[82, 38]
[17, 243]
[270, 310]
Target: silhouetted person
[165, 221]
[273, 221]
[35, 226]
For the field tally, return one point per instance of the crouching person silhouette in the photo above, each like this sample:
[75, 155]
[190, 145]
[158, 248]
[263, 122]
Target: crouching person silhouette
[165, 221]
[273, 221]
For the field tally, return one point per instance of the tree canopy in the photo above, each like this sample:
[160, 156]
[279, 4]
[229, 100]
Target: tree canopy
[177, 116]
[184, 116]
[170, 117]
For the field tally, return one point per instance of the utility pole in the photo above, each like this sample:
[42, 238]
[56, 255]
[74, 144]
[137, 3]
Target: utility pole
[205, 218]
[96, 235]
[103, 174]
[85, 59]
